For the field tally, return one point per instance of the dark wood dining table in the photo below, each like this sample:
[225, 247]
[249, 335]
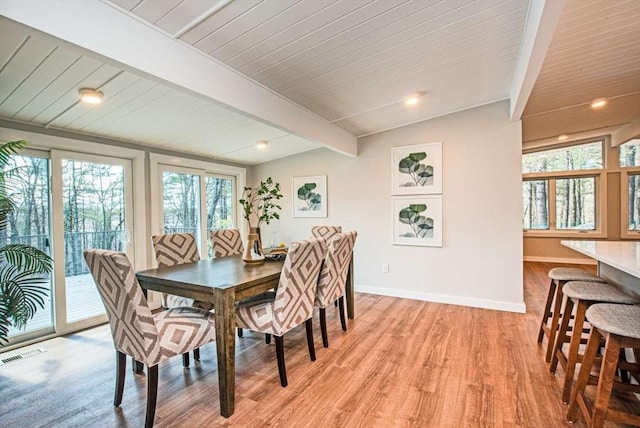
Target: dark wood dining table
[223, 282]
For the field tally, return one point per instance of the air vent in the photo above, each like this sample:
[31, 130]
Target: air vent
[22, 356]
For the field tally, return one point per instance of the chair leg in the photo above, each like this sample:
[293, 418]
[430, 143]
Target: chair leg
[136, 366]
[312, 349]
[121, 364]
[185, 360]
[240, 332]
[577, 395]
[152, 395]
[560, 337]
[574, 349]
[267, 338]
[555, 319]
[323, 327]
[282, 370]
[606, 379]
[196, 354]
[335, 303]
[343, 321]
[547, 308]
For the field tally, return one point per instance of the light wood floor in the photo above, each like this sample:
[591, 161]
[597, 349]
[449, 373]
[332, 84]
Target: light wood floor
[403, 363]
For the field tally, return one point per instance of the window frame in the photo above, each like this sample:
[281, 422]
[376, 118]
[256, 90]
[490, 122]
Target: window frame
[625, 172]
[600, 187]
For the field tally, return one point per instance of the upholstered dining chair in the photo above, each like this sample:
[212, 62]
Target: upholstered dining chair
[293, 301]
[333, 277]
[226, 242]
[177, 249]
[146, 337]
[325, 232]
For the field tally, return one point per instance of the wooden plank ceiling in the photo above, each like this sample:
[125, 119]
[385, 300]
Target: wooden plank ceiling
[594, 53]
[350, 62]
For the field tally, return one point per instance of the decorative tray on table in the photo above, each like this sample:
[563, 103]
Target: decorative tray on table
[278, 253]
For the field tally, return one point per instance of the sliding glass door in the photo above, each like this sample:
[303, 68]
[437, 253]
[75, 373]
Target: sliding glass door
[92, 209]
[29, 224]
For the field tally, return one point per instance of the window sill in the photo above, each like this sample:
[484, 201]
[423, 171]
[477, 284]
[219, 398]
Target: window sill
[564, 234]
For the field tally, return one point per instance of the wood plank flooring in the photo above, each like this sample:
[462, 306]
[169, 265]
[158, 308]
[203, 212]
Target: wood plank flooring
[403, 363]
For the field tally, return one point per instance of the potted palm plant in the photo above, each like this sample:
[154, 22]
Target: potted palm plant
[259, 206]
[23, 268]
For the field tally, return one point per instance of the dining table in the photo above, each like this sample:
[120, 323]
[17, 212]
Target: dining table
[223, 282]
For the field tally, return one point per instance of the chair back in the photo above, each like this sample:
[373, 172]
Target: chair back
[296, 291]
[333, 275]
[226, 242]
[175, 249]
[325, 232]
[132, 327]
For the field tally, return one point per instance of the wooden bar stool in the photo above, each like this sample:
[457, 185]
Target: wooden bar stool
[559, 276]
[581, 295]
[619, 325]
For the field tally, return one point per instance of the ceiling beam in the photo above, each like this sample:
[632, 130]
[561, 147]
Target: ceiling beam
[626, 133]
[115, 35]
[542, 19]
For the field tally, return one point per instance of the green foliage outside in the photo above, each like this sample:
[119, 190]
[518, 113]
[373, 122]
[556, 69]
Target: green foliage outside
[312, 199]
[23, 268]
[422, 226]
[420, 173]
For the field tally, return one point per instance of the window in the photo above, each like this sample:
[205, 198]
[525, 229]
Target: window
[630, 188]
[561, 189]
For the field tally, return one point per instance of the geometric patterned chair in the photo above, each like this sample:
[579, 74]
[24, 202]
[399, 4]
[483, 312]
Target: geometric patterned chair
[333, 277]
[226, 242]
[171, 250]
[325, 232]
[619, 326]
[177, 249]
[293, 301]
[559, 276]
[136, 332]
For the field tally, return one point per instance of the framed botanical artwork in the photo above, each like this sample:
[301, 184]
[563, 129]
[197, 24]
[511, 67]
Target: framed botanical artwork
[416, 170]
[417, 220]
[310, 196]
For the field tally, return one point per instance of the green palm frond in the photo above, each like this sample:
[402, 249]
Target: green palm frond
[23, 269]
[10, 148]
[30, 259]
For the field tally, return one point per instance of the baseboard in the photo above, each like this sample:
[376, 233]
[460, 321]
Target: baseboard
[440, 298]
[560, 260]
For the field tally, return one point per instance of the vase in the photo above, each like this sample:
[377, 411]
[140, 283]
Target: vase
[253, 253]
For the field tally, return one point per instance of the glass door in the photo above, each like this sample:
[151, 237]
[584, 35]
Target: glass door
[92, 209]
[29, 224]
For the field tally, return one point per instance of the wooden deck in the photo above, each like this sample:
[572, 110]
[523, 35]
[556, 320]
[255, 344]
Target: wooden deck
[83, 301]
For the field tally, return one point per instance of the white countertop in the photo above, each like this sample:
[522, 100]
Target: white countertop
[622, 255]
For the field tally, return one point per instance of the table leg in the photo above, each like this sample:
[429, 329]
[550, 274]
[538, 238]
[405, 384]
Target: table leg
[349, 292]
[225, 316]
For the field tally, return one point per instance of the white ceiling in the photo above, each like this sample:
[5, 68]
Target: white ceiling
[347, 63]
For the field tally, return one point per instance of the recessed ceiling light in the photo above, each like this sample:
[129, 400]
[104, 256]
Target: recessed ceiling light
[598, 103]
[262, 144]
[563, 137]
[411, 99]
[90, 96]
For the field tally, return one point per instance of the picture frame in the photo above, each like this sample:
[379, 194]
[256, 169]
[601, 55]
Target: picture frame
[417, 220]
[417, 169]
[309, 196]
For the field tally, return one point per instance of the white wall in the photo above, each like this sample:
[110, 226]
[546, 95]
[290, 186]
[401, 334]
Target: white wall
[480, 263]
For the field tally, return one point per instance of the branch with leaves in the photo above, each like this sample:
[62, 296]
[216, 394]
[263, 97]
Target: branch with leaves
[412, 216]
[260, 202]
[419, 172]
